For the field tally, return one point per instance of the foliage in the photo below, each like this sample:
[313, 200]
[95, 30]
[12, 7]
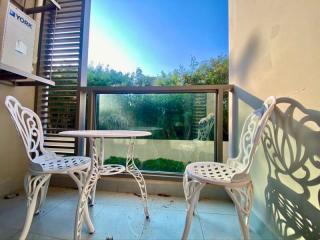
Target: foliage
[173, 112]
[164, 165]
[112, 120]
[121, 161]
[159, 164]
[104, 76]
[212, 71]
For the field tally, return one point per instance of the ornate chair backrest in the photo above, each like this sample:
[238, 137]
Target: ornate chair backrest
[29, 127]
[205, 126]
[250, 136]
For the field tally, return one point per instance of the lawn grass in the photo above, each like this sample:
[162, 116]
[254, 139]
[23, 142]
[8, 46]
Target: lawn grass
[158, 164]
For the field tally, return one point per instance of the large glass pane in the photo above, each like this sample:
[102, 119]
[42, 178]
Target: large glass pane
[182, 127]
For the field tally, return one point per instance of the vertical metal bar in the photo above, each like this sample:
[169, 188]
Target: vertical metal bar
[37, 108]
[90, 117]
[84, 43]
[233, 120]
[81, 120]
[82, 70]
[97, 112]
[94, 110]
[218, 141]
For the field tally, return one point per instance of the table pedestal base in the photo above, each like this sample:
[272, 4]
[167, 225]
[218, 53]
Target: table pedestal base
[113, 169]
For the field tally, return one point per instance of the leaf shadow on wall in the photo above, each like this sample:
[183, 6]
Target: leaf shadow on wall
[291, 144]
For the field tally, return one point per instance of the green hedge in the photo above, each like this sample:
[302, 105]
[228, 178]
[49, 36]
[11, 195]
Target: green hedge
[159, 164]
[121, 161]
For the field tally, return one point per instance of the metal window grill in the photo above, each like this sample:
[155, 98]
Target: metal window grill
[59, 58]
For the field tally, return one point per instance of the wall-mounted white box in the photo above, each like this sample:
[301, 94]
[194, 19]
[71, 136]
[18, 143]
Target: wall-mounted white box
[17, 37]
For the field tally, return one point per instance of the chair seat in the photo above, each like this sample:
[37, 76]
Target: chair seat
[211, 172]
[59, 164]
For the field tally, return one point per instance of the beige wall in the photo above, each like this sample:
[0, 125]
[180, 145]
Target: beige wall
[13, 159]
[274, 50]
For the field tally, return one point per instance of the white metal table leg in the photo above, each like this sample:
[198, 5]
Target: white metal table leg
[132, 169]
[100, 164]
[90, 182]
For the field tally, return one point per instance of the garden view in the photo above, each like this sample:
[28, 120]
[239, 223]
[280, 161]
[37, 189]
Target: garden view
[150, 43]
[167, 116]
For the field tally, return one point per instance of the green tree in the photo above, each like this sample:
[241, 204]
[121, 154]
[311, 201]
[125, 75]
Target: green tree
[170, 112]
[214, 71]
[104, 76]
[139, 79]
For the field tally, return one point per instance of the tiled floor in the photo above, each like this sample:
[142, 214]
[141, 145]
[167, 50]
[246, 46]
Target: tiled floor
[120, 216]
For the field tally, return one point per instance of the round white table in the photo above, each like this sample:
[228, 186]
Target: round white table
[100, 169]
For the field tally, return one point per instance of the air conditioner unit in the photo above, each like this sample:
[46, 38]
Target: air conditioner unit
[17, 36]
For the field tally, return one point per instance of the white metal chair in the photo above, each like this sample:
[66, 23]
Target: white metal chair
[234, 175]
[43, 163]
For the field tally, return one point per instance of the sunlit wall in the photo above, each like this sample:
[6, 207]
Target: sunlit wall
[274, 50]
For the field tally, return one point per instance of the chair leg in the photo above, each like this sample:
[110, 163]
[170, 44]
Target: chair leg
[191, 191]
[32, 185]
[42, 196]
[242, 198]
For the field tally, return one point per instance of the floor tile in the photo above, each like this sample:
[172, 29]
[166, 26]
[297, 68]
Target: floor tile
[220, 226]
[121, 216]
[169, 224]
[13, 213]
[59, 222]
[167, 203]
[119, 222]
[216, 206]
[8, 232]
[32, 236]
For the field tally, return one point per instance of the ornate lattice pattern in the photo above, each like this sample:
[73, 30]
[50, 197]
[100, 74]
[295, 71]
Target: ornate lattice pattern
[247, 144]
[233, 175]
[291, 147]
[32, 185]
[111, 169]
[242, 198]
[60, 164]
[212, 172]
[43, 163]
[29, 127]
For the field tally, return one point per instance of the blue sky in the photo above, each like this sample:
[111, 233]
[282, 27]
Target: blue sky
[156, 35]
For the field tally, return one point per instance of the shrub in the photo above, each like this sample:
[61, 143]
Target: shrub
[121, 161]
[159, 164]
[162, 164]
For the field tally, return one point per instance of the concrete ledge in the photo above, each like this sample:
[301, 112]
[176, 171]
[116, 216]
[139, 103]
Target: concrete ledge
[127, 184]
